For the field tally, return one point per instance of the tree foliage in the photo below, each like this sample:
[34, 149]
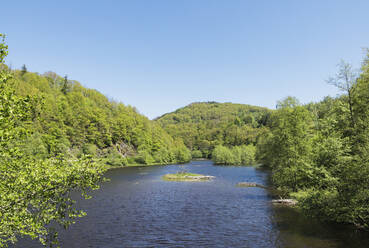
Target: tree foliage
[319, 152]
[205, 125]
[34, 192]
[236, 155]
[77, 121]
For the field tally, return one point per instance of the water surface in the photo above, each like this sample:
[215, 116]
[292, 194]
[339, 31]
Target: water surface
[138, 209]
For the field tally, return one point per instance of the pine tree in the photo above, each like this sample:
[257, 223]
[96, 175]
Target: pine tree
[24, 69]
[65, 85]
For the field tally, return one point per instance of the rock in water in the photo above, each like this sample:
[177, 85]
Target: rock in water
[247, 184]
[287, 202]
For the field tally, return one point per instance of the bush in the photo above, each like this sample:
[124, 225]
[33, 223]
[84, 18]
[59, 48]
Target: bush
[197, 154]
[247, 154]
[144, 157]
[237, 155]
[183, 155]
[114, 158]
[89, 149]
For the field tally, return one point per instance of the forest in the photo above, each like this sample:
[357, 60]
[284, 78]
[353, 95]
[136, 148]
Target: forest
[205, 125]
[70, 119]
[319, 152]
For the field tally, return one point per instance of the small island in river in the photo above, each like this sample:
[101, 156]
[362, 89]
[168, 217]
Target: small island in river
[186, 177]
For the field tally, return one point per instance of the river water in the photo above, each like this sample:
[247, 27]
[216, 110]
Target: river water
[138, 209]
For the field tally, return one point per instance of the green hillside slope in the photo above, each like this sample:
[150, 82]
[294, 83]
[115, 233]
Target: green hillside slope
[74, 120]
[205, 125]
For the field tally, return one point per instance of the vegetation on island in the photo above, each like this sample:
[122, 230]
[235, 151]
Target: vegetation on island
[186, 177]
[319, 152]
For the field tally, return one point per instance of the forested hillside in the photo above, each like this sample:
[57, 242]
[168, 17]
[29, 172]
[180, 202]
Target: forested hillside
[74, 120]
[55, 138]
[206, 125]
[319, 152]
[36, 177]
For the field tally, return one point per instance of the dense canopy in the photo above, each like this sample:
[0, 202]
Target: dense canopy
[319, 152]
[205, 125]
[75, 120]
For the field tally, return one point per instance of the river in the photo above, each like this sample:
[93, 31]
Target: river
[138, 209]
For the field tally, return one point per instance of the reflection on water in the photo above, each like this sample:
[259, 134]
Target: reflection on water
[296, 230]
[137, 209]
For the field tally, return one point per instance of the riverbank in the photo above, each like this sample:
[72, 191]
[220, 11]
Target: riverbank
[109, 167]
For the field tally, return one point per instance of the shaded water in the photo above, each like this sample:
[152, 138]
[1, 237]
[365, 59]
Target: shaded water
[137, 209]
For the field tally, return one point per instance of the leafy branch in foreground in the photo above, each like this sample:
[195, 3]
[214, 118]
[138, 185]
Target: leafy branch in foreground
[35, 194]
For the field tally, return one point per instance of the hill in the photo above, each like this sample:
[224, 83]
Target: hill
[204, 125]
[74, 120]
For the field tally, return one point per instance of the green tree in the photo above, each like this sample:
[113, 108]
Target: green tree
[65, 85]
[288, 102]
[289, 146]
[34, 193]
[319, 153]
[23, 70]
[236, 155]
[3, 48]
[345, 81]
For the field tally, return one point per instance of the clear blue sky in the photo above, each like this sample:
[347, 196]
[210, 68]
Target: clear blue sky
[161, 55]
